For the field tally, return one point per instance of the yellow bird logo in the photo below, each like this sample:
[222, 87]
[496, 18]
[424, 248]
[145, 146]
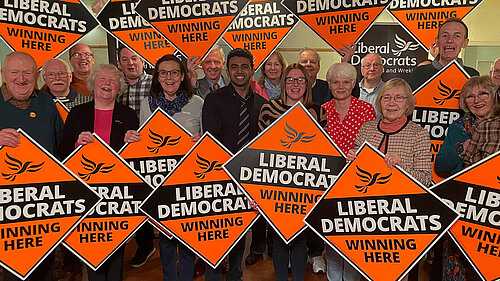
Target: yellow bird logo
[295, 136]
[206, 166]
[447, 93]
[370, 179]
[160, 141]
[93, 168]
[19, 167]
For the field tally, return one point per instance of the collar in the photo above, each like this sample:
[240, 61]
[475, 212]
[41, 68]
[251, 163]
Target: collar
[374, 89]
[438, 66]
[246, 98]
[220, 82]
[7, 95]
[71, 95]
[141, 78]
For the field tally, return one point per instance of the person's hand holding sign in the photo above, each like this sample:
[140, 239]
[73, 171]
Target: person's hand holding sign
[9, 137]
[84, 138]
[132, 136]
[351, 155]
[392, 159]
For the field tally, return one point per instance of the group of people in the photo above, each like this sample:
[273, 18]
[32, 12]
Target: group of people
[112, 101]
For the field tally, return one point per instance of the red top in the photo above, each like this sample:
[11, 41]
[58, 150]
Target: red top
[344, 133]
[102, 124]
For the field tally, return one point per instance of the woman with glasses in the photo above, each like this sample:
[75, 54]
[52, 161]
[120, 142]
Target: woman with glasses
[268, 85]
[479, 101]
[171, 90]
[403, 142]
[295, 87]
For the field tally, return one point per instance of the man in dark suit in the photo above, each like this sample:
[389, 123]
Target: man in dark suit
[212, 67]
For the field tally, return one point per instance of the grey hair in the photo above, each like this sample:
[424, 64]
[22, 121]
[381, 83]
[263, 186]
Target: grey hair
[111, 68]
[493, 64]
[218, 49]
[375, 54]
[303, 49]
[66, 65]
[341, 70]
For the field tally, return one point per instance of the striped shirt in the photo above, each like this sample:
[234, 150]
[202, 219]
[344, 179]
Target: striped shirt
[275, 108]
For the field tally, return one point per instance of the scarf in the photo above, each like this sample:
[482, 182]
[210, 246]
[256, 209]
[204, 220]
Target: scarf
[273, 92]
[390, 128]
[170, 107]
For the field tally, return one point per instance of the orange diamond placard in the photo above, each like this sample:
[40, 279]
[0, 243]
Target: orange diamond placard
[438, 105]
[337, 22]
[423, 18]
[260, 28]
[164, 142]
[46, 29]
[41, 201]
[62, 109]
[200, 204]
[286, 169]
[475, 194]
[193, 27]
[119, 19]
[376, 217]
[116, 218]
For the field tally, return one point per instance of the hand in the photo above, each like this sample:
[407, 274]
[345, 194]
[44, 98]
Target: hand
[193, 67]
[392, 159]
[196, 137]
[132, 136]
[433, 50]
[254, 205]
[464, 145]
[351, 155]
[348, 51]
[85, 138]
[9, 137]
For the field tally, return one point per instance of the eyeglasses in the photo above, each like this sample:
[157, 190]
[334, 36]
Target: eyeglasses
[291, 80]
[375, 65]
[82, 55]
[53, 75]
[173, 73]
[396, 98]
[481, 95]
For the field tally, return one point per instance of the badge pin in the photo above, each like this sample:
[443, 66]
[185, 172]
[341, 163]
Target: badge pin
[32, 114]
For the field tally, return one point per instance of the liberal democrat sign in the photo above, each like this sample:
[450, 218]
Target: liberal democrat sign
[377, 217]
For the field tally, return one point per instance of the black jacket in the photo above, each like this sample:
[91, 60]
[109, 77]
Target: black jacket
[81, 119]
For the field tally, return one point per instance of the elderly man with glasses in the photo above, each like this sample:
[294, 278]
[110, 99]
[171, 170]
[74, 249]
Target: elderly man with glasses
[57, 76]
[372, 69]
[82, 60]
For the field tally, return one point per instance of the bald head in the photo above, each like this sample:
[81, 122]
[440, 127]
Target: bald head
[495, 72]
[20, 74]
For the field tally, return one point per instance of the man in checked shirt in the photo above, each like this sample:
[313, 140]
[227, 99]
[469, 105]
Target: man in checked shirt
[138, 85]
[138, 81]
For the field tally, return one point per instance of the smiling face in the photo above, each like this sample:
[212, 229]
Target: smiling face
[20, 74]
[451, 39]
[495, 72]
[57, 77]
[372, 68]
[310, 60]
[480, 103]
[341, 88]
[212, 66]
[394, 104]
[130, 64]
[106, 86]
[295, 89]
[82, 59]
[239, 71]
[273, 68]
[169, 82]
